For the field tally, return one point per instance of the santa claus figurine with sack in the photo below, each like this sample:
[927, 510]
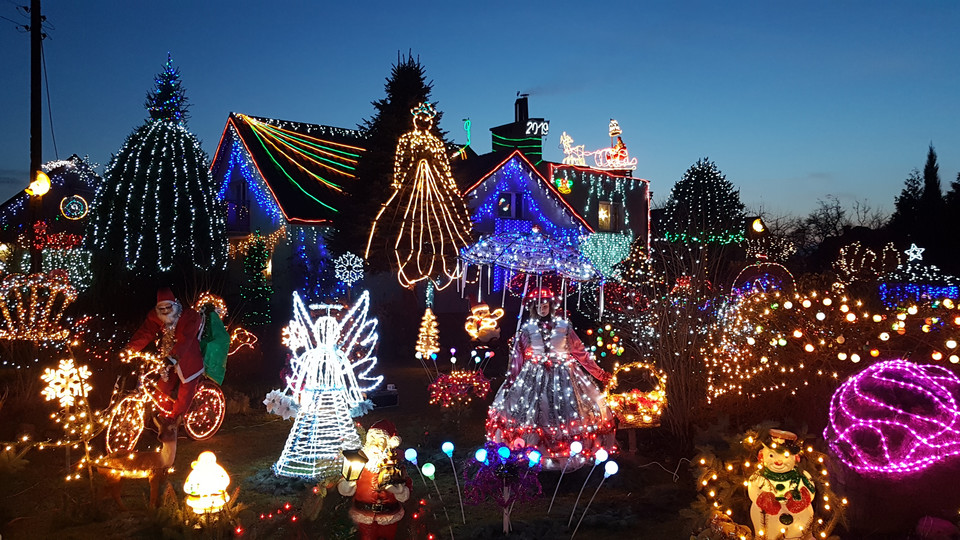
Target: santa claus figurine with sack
[382, 486]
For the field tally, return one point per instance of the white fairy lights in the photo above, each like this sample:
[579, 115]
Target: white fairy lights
[328, 354]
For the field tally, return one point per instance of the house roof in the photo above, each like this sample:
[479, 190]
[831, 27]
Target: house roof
[473, 172]
[306, 167]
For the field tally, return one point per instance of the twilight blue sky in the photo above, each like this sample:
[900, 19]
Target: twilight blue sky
[793, 100]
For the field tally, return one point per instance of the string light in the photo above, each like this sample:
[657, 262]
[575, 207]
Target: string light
[482, 323]
[458, 388]
[875, 427]
[916, 282]
[633, 407]
[428, 340]
[66, 383]
[328, 353]
[434, 224]
[348, 268]
[32, 306]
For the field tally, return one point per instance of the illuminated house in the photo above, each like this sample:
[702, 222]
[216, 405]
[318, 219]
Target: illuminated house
[60, 222]
[286, 180]
[512, 190]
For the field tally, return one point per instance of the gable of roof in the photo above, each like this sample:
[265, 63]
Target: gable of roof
[483, 172]
[306, 167]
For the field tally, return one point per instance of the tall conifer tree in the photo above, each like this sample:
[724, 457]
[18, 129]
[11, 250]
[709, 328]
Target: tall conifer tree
[406, 87]
[158, 207]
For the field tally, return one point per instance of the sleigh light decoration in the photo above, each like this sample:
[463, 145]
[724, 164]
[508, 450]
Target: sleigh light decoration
[633, 407]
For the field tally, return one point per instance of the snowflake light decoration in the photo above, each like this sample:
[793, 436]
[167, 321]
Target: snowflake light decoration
[66, 383]
[348, 268]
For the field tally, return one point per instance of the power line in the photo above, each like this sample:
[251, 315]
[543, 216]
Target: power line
[46, 83]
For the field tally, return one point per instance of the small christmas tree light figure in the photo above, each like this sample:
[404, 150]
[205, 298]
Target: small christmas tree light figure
[168, 100]
[428, 341]
[327, 352]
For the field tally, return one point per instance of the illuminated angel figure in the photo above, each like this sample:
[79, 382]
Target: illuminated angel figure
[333, 357]
[434, 224]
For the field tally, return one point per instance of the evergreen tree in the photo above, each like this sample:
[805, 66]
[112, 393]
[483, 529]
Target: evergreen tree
[906, 212]
[168, 100]
[406, 87]
[920, 214]
[158, 206]
[636, 270]
[704, 208]
[256, 292]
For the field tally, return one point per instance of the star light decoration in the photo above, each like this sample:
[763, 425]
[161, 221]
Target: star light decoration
[348, 268]
[66, 383]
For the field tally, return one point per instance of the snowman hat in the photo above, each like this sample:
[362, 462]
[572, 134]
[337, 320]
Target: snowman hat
[782, 441]
[387, 430]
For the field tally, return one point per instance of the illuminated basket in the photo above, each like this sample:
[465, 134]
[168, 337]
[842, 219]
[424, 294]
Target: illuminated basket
[636, 408]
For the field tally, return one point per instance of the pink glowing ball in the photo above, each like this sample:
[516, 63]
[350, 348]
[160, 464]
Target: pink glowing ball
[895, 418]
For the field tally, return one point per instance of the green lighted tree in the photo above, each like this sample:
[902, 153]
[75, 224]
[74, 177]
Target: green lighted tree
[256, 292]
[703, 208]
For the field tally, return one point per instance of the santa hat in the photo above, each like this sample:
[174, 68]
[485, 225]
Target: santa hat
[388, 430]
[164, 294]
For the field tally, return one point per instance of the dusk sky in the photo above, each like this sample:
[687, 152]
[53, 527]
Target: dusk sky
[792, 100]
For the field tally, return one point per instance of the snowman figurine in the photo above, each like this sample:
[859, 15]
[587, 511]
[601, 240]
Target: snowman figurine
[781, 493]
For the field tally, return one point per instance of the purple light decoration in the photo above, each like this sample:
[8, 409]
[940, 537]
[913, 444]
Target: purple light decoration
[895, 418]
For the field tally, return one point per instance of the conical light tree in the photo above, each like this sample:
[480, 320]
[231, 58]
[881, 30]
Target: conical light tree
[158, 206]
[428, 340]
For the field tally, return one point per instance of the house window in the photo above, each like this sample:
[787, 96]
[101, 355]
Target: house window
[508, 205]
[609, 216]
[604, 216]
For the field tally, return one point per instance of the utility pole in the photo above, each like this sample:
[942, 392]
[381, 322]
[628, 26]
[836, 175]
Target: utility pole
[36, 137]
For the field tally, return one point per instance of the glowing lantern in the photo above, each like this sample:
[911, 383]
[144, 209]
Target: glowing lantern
[206, 485]
[353, 464]
[40, 186]
[951, 344]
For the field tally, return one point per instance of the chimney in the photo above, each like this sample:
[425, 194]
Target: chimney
[521, 113]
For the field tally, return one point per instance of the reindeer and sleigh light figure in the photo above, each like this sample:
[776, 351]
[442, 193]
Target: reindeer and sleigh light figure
[333, 356]
[614, 158]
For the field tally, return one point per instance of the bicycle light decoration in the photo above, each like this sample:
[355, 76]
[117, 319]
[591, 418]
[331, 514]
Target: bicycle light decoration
[332, 360]
[127, 419]
[633, 407]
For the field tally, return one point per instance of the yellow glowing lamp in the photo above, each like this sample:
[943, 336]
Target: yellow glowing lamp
[40, 185]
[353, 463]
[206, 485]
[758, 226]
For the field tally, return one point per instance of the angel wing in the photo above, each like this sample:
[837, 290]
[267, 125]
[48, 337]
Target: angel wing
[298, 337]
[358, 344]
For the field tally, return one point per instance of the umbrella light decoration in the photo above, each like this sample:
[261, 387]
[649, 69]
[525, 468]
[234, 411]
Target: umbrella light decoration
[530, 253]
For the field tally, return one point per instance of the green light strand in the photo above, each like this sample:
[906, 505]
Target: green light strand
[289, 177]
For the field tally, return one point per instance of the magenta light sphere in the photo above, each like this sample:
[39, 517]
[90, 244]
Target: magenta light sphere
[895, 418]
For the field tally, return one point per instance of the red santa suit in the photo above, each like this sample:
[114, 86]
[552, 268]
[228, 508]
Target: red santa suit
[184, 353]
[376, 510]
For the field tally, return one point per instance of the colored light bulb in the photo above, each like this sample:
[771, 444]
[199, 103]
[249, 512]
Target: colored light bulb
[575, 448]
[610, 468]
[411, 455]
[447, 448]
[601, 455]
[428, 470]
[480, 455]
